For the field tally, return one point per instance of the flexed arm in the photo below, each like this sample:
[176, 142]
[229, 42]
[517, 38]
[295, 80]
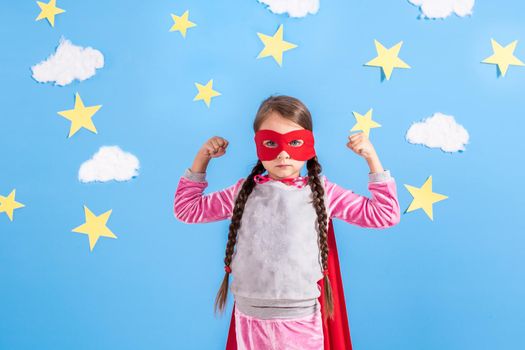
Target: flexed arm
[191, 205]
[378, 211]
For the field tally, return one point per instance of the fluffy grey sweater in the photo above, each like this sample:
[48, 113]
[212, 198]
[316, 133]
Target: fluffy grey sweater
[277, 261]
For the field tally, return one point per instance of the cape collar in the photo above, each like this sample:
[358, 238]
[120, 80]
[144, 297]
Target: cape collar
[298, 182]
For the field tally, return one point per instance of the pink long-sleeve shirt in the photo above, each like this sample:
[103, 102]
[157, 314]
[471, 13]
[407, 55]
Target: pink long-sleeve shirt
[380, 210]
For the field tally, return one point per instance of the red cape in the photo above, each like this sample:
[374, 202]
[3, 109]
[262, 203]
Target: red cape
[336, 332]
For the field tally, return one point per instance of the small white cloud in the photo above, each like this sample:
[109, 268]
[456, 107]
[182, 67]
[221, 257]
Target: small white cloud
[444, 8]
[439, 131]
[69, 62]
[294, 8]
[109, 163]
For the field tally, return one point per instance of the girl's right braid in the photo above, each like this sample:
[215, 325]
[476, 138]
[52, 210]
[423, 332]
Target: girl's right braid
[238, 209]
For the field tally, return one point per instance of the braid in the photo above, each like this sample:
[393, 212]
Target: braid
[314, 169]
[238, 209]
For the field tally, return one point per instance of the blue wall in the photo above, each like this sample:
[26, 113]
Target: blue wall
[457, 282]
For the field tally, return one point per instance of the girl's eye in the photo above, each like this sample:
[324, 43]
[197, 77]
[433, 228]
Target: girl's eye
[294, 143]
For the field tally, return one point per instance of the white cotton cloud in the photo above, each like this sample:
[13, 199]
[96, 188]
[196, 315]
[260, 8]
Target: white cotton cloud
[109, 163]
[439, 131]
[444, 8]
[69, 62]
[294, 8]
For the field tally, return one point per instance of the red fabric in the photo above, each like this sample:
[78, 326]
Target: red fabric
[336, 332]
[303, 152]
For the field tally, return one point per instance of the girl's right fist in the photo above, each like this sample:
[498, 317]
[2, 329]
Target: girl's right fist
[214, 147]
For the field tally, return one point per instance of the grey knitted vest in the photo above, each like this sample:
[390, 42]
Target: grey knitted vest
[277, 254]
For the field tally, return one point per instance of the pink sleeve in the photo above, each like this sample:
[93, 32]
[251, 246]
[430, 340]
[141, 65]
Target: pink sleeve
[379, 211]
[192, 206]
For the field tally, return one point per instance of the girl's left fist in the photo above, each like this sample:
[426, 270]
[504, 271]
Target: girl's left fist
[360, 144]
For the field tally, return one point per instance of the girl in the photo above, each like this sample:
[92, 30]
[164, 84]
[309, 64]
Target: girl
[281, 251]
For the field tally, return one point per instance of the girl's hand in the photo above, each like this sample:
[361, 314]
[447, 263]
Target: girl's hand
[360, 144]
[214, 147]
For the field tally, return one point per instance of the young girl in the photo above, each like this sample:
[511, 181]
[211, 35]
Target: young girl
[281, 250]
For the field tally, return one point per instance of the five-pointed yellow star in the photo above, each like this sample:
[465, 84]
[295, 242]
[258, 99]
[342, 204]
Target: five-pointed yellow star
[387, 58]
[206, 92]
[181, 23]
[80, 116]
[49, 11]
[424, 197]
[8, 204]
[275, 45]
[364, 122]
[95, 227]
[503, 56]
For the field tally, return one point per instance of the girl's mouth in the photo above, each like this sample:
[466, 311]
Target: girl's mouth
[282, 165]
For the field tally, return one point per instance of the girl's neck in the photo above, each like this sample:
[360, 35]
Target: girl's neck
[293, 176]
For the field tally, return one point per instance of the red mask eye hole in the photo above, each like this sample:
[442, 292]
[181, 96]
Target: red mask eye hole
[296, 143]
[269, 144]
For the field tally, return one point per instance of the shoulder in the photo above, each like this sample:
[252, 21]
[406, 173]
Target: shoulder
[333, 190]
[325, 182]
[237, 185]
[239, 182]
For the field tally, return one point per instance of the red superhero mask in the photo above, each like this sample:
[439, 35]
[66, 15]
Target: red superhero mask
[282, 142]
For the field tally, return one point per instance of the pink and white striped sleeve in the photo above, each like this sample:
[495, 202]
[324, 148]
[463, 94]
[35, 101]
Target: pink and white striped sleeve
[192, 206]
[381, 210]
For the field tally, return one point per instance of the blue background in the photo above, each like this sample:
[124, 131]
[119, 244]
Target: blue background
[457, 282]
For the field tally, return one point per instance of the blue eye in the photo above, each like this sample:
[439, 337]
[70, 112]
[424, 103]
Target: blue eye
[294, 143]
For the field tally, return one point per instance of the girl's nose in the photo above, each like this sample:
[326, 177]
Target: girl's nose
[283, 155]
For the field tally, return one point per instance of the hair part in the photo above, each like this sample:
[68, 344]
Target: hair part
[287, 107]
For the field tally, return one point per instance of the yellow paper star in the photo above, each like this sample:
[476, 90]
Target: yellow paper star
[275, 45]
[49, 11]
[206, 92]
[95, 227]
[424, 197]
[364, 122]
[503, 56]
[8, 204]
[80, 116]
[181, 23]
[387, 58]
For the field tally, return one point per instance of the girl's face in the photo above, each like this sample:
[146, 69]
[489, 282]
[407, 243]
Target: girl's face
[283, 166]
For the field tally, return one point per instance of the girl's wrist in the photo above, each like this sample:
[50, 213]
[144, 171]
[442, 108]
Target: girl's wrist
[374, 164]
[200, 164]
[372, 157]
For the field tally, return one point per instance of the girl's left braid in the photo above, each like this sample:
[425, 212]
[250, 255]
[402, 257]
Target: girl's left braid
[314, 169]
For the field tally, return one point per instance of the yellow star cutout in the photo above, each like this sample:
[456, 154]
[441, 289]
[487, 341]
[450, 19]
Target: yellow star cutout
[80, 116]
[206, 92]
[365, 122]
[8, 204]
[503, 56]
[424, 197]
[275, 45]
[48, 11]
[387, 59]
[95, 227]
[181, 23]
